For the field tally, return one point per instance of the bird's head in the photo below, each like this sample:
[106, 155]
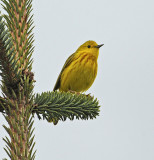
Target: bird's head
[91, 47]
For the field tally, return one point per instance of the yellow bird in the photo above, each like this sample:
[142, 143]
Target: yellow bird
[80, 69]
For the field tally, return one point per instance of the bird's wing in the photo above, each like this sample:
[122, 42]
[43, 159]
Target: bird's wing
[67, 63]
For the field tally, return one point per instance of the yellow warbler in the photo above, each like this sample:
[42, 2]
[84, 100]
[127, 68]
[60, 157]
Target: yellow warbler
[80, 69]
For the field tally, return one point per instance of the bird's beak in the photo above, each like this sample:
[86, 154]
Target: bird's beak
[98, 46]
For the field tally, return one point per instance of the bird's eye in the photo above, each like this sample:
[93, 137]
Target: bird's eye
[88, 46]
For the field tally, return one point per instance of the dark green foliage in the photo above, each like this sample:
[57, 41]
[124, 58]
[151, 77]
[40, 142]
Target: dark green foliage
[9, 71]
[62, 105]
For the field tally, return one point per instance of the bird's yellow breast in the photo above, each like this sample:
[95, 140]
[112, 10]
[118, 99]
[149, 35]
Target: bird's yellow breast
[80, 74]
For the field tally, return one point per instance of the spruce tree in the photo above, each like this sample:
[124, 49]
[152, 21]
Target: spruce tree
[18, 103]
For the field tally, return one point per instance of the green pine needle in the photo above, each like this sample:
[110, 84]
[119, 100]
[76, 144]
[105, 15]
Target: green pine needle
[62, 105]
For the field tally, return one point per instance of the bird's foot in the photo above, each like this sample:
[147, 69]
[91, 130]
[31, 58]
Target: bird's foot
[74, 92]
[78, 93]
[89, 95]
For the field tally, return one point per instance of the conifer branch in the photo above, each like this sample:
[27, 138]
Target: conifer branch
[20, 24]
[9, 72]
[16, 61]
[2, 104]
[55, 106]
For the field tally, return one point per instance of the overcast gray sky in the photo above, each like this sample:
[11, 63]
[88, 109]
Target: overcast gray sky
[124, 84]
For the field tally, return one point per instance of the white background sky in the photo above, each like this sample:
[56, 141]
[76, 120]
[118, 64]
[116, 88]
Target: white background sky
[124, 84]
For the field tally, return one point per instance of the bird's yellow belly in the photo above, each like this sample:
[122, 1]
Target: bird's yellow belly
[79, 76]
